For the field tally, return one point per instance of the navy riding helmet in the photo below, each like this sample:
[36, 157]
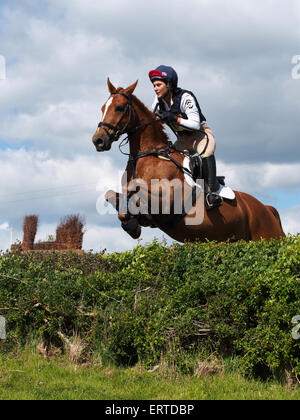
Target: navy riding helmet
[166, 74]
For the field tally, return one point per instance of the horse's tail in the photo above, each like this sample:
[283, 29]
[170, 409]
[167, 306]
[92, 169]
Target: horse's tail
[276, 214]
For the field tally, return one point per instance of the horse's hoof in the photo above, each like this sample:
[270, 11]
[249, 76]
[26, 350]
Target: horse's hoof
[137, 233]
[133, 228]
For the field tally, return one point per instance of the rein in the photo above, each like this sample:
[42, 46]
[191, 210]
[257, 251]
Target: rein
[119, 132]
[163, 151]
[160, 151]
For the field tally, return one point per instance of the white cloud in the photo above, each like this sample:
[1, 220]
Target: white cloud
[235, 56]
[259, 177]
[114, 239]
[63, 128]
[59, 58]
[4, 241]
[36, 183]
[4, 226]
[291, 220]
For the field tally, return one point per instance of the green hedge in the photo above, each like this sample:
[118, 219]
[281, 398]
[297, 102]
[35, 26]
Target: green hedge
[235, 300]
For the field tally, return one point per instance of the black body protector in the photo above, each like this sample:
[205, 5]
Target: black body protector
[175, 109]
[209, 163]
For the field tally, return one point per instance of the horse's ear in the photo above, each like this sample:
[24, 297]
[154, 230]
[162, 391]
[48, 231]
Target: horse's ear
[131, 88]
[111, 87]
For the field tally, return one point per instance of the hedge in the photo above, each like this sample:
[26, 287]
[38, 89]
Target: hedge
[231, 299]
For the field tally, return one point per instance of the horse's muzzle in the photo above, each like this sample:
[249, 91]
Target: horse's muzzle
[101, 144]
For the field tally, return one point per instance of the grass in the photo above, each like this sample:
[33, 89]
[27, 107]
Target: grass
[33, 377]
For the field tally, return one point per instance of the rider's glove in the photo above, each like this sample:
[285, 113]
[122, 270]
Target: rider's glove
[168, 116]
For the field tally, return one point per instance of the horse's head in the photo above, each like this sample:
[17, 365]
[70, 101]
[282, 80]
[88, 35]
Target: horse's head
[117, 117]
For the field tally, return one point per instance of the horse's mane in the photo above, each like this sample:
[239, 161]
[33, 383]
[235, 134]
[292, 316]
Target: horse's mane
[158, 126]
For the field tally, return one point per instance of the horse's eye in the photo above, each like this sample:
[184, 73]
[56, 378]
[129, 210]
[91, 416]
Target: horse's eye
[120, 108]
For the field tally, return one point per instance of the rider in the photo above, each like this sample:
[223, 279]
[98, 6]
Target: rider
[180, 110]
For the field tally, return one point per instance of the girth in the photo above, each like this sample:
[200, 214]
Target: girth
[164, 152]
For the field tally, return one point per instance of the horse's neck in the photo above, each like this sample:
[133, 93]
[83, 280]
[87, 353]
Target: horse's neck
[148, 138]
[145, 141]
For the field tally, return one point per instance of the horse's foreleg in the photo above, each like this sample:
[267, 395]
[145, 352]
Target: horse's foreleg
[114, 199]
[129, 223]
[131, 226]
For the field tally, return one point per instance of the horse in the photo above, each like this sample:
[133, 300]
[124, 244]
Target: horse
[153, 157]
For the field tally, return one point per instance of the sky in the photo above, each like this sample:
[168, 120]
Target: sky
[240, 58]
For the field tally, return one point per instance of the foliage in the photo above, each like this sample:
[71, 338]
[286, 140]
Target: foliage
[230, 299]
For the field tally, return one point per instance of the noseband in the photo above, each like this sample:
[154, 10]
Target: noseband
[118, 132]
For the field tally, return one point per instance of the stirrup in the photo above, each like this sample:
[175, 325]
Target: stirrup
[218, 200]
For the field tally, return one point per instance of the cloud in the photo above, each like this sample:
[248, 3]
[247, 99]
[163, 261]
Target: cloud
[4, 226]
[235, 56]
[290, 220]
[36, 183]
[259, 177]
[116, 239]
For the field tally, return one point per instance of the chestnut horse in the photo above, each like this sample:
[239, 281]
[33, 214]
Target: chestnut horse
[152, 157]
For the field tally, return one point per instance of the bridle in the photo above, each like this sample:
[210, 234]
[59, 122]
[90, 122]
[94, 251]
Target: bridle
[163, 151]
[117, 132]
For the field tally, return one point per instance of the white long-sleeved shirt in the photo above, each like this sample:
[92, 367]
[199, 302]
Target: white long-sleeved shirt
[188, 107]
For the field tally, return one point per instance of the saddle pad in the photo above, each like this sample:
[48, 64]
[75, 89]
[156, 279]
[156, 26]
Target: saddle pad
[223, 191]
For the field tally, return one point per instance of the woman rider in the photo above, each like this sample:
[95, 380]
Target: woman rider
[180, 110]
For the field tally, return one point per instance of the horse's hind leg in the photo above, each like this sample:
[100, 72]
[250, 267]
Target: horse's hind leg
[277, 216]
[267, 224]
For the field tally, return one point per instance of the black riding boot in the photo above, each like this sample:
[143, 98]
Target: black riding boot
[209, 172]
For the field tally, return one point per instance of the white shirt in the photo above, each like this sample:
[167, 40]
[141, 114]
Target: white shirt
[187, 106]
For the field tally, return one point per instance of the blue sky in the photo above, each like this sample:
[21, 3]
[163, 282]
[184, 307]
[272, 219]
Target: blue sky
[235, 56]
[285, 199]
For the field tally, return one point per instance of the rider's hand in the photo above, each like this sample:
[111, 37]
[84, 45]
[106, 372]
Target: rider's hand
[169, 116]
